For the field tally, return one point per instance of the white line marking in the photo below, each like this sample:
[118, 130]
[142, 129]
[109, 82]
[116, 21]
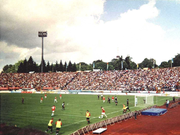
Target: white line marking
[74, 123]
[73, 115]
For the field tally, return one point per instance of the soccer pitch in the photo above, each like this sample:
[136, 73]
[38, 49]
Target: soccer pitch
[33, 114]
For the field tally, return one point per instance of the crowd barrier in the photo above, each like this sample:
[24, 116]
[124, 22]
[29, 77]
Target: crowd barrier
[14, 88]
[4, 88]
[91, 92]
[174, 104]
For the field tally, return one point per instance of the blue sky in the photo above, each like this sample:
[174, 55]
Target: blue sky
[169, 10]
[88, 30]
[169, 14]
[113, 8]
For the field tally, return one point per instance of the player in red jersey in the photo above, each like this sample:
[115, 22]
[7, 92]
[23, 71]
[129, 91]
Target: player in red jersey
[112, 98]
[45, 96]
[55, 100]
[53, 110]
[103, 113]
[60, 96]
[103, 99]
[41, 100]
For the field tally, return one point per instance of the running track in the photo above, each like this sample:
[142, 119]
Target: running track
[167, 124]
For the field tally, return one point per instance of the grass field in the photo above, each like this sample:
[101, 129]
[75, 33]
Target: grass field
[33, 114]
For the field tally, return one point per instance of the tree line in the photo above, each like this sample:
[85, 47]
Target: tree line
[118, 63]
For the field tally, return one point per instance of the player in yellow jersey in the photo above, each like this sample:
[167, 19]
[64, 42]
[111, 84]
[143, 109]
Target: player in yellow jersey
[58, 126]
[124, 108]
[49, 125]
[88, 116]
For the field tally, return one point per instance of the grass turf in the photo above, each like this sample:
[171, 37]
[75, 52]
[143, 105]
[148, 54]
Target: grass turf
[36, 115]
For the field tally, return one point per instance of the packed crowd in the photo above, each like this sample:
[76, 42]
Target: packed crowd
[36, 80]
[131, 80]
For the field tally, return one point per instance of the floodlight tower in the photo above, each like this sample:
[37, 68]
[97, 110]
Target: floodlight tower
[42, 34]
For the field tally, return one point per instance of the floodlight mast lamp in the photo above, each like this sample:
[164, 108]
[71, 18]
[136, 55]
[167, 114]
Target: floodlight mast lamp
[42, 34]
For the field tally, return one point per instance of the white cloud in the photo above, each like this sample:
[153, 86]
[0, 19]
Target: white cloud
[21, 20]
[77, 33]
[13, 53]
[132, 34]
[5, 48]
[47, 13]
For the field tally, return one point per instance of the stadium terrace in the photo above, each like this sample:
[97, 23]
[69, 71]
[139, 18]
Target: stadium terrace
[120, 80]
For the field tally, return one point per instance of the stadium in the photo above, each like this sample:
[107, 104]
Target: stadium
[130, 86]
[81, 91]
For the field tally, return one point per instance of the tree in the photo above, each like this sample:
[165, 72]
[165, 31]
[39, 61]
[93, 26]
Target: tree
[56, 67]
[170, 63]
[35, 67]
[5, 68]
[13, 69]
[164, 64]
[25, 69]
[82, 66]
[65, 67]
[125, 65]
[17, 64]
[89, 67]
[128, 62]
[52, 67]
[147, 63]
[26, 66]
[69, 68]
[10, 69]
[61, 66]
[114, 63]
[20, 68]
[74, 67]
[110, 66]
[44, 66]
[133, 65]
[30, 64]
[176, 60]
[101, 65]
[48, 67]
[120, 62]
